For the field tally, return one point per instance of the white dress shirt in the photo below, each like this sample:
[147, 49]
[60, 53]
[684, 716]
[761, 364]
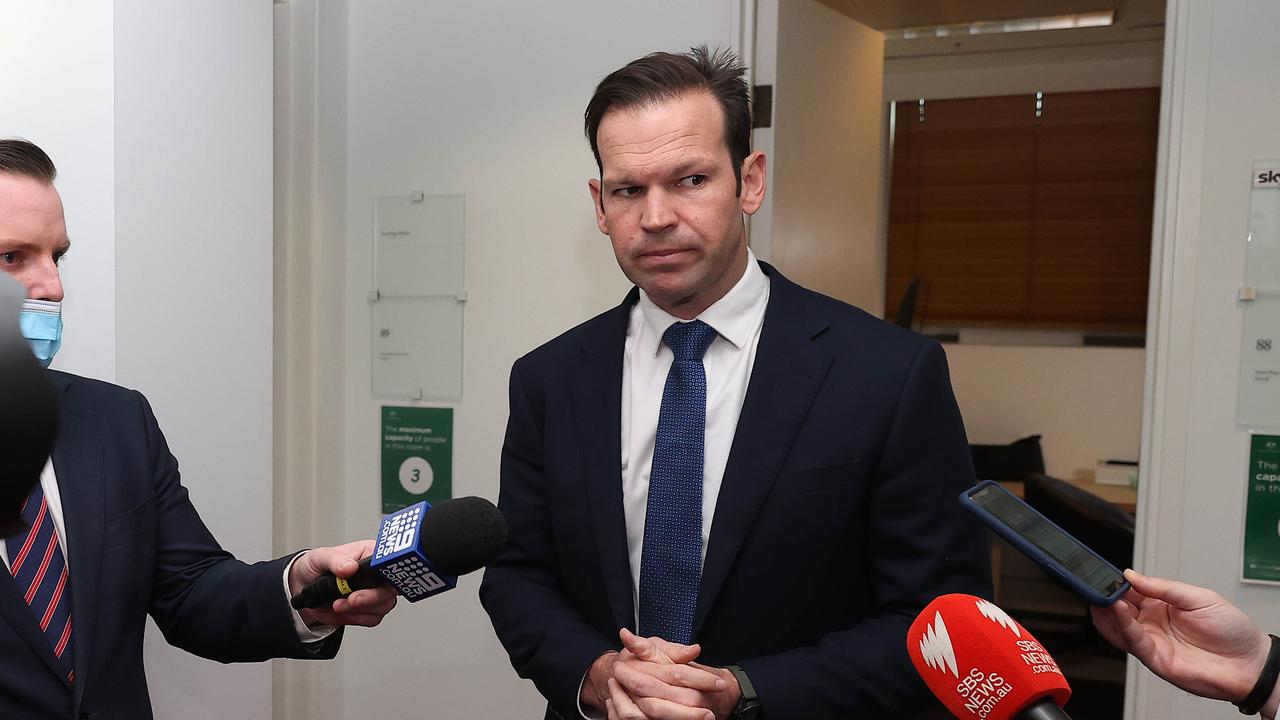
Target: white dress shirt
[49, 483]
[737, 319]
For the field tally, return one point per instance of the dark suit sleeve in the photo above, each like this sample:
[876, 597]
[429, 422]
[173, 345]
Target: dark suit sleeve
[921, 544]
[548, 640]
[203, 599]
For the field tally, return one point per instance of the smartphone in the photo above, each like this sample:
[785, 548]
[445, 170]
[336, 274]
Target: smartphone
[1078, 568]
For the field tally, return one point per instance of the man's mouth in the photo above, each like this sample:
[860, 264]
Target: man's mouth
[664, 252]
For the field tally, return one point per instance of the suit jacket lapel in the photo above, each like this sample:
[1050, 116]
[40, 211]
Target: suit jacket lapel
[789, 368]
[77, 462]
[16, 612]
[597, 403]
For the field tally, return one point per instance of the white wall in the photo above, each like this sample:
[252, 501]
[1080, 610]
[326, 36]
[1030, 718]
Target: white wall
[1013, 72]
[827, 140]
[193, 174]
[484, 100]
[1085, 402]
[1222, 98]
[56, 76]
[158, 116]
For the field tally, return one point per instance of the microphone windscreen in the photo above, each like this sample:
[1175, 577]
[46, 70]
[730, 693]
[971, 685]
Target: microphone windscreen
[28, 412]
[979, 661]
[463, 534]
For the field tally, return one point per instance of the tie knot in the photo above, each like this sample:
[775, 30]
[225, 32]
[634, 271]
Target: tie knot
[689, 340]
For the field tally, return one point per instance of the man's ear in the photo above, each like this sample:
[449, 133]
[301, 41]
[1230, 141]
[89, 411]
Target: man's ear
[753, 182]
[597, 201]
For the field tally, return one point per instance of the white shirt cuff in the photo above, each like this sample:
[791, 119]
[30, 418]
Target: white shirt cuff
[305, 634]
[583, 711]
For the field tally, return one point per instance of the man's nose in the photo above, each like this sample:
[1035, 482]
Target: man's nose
[659, 213]
[46, 283]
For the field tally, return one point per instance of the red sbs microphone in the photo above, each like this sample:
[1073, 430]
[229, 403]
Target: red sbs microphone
[982, 664]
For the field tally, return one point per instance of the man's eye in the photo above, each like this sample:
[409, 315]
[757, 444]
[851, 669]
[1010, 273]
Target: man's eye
[693, 180]
[9, 258]
[630, 191]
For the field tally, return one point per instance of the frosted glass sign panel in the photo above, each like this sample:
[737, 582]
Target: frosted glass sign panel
[420, 245]
[418, 296]
[1259, 396]
[410, 355]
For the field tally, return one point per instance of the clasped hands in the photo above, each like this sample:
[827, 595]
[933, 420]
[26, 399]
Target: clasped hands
[653, 679]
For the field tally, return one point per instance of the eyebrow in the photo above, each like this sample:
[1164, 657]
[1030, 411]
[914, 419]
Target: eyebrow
[15, 245]
[684, 169]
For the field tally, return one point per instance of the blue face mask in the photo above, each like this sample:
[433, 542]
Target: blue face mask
[41, 324]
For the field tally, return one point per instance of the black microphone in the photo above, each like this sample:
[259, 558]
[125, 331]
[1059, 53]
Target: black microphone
[28, 414]
[420, 551]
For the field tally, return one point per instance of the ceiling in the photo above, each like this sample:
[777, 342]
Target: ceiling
[898, 14]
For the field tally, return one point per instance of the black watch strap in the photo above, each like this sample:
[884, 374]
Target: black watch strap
[749, 704]
[1266, 684]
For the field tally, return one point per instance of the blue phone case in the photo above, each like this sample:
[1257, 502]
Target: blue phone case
[1054, 568]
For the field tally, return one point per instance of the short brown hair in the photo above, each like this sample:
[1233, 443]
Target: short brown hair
[662, 76]
[23, 157]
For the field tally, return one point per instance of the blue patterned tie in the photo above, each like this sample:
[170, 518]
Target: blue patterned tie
[40, 572]
[671, 558]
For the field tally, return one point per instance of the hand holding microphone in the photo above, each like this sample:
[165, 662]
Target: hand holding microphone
[365, 607]
[419, 552]
[981, 664]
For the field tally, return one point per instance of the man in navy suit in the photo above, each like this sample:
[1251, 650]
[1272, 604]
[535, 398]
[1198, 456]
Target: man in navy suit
[758, 480]
[112, 535]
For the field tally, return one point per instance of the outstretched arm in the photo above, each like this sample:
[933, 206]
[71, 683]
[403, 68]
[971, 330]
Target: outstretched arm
[1190, 636]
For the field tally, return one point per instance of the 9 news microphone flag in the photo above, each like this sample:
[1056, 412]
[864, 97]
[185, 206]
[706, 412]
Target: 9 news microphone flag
[982, 664]
[420, 551]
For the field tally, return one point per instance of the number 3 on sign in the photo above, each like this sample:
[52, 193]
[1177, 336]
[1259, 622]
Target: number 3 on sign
[416, 475]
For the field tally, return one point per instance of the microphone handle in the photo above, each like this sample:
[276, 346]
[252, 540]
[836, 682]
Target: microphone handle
[1043, 709]
[322, 592]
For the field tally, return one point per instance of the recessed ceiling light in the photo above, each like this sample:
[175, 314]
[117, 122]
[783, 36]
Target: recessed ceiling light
[1056, 22]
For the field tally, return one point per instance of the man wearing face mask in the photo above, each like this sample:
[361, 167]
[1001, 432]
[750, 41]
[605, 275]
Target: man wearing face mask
[111, 535]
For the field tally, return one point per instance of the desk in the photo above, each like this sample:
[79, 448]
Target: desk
[1122, 496]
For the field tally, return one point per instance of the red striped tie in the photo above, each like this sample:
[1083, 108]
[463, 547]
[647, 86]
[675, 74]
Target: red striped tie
[40, 572]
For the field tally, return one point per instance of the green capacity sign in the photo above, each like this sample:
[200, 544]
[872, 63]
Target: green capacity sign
[417, 456]
[1262, 510]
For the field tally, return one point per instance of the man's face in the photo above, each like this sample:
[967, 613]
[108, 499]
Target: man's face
[668, 201]
[33, 235]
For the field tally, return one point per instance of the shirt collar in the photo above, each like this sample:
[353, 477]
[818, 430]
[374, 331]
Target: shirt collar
[734, 317]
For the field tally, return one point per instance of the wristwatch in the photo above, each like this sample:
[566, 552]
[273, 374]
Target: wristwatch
[749, 704]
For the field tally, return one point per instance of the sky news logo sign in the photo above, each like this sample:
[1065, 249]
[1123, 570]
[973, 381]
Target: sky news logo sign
[1266, 177]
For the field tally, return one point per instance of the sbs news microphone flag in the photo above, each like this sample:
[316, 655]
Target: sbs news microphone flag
[982, 664]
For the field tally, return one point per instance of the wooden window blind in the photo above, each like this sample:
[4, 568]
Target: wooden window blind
[1015, 218]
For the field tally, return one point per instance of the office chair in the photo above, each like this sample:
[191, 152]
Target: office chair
[906, 315]
[1008, 463]
[1093, 521]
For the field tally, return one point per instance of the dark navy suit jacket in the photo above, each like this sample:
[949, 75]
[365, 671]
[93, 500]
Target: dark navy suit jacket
[837, 519]
[135, 546]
